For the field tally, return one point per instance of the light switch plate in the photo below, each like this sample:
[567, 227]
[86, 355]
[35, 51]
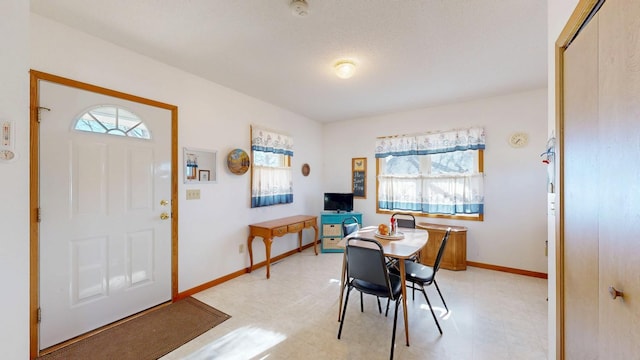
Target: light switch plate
[193, 194]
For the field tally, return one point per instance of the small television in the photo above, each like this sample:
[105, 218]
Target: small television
[338, 202]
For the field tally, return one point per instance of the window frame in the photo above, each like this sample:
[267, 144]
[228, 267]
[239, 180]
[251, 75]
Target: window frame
[114, 129]
[286, 164]
[478, 217]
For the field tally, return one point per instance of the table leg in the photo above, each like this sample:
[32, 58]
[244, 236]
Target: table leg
[342, 282]
[300, 241]
[267, 247]
[315, 239]
[403, 281]
[249, 241]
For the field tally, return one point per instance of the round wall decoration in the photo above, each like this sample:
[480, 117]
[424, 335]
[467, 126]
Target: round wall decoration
[238, 161]
[306, 169]
[518, 139]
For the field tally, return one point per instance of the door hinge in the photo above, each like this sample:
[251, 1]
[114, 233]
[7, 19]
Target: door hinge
[39, 315]
[38, 215]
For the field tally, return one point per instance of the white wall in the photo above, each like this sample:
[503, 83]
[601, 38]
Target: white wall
[514, 229]
[14, 181]
[210, 117]
[559, 12]
[226, 115]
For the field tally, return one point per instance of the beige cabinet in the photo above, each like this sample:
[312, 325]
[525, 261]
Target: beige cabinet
[455, 252]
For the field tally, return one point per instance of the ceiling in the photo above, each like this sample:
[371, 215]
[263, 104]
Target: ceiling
[409, 53]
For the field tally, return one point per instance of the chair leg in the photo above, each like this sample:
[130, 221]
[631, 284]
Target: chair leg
[395, 325]
[362, 305]
[441, 298]
[344, 310]
[435, 318]
[387, 311]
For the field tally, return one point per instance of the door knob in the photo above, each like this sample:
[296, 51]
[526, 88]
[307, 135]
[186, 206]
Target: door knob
[164, 216]
[164, 202]
[615, 293]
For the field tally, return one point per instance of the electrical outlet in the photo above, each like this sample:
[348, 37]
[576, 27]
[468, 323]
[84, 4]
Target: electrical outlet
[193, 194]
[241, 248]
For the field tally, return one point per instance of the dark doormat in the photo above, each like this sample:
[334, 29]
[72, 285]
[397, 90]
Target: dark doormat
[149, 336]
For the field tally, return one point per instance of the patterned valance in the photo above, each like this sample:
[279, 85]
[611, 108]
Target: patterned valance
[271, 141]
[431, 143]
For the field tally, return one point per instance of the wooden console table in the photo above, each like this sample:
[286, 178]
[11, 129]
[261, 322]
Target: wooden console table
[267, 230]
[455, 253]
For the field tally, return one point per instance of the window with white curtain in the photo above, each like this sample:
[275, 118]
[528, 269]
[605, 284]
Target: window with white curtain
[433, 174]
[271, 176]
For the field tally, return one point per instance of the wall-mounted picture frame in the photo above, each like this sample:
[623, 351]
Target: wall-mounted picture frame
[199, 166]
[359, 177]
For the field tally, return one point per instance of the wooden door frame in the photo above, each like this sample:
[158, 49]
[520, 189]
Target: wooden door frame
[576, 21]
[34, 193]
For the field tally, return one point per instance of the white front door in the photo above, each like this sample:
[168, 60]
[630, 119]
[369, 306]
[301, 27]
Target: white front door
[105, 252]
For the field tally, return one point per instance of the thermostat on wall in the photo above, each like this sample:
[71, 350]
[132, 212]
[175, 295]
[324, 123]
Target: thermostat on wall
[6, 142]
[7, 155]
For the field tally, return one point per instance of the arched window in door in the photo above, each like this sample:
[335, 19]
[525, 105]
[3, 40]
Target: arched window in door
[112, 120]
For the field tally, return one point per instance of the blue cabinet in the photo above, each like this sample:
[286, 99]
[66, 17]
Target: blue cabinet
[331, 229]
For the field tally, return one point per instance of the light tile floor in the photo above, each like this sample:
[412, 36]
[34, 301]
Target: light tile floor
[294, 315]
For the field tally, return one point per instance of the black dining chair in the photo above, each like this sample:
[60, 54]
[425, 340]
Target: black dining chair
[405, 220]
[350, 225]
[368, 273]
[419, 276]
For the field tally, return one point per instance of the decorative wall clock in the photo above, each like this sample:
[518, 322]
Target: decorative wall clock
[518, 139]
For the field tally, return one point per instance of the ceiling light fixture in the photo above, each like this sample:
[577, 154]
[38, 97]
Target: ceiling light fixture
[345, 69]
[299, 8]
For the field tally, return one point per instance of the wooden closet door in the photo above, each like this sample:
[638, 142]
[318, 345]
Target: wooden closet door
[581, 195]
[619, 160]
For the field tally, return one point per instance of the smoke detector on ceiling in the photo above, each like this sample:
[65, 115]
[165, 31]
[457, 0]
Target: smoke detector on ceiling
[299, 8]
